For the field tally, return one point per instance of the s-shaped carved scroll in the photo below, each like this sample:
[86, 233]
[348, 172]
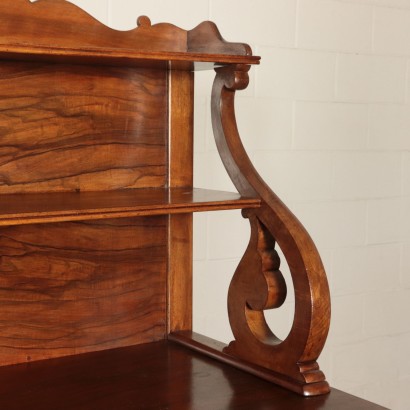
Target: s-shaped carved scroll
[258, 284]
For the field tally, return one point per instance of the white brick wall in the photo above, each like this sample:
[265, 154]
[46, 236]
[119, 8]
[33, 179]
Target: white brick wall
[391, 31]
[326, 120]
[392, 120]
[330, 126]
[275, 26]
[328, 24]
[371, 78]
[293, 74]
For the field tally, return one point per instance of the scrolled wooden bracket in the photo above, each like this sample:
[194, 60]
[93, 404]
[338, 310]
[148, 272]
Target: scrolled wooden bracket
[257, 283]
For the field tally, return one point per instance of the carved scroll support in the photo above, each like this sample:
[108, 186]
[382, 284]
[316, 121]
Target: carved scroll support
[258, 284]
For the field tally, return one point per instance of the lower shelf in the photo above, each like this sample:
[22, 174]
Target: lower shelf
[160, 375]
[19, 209]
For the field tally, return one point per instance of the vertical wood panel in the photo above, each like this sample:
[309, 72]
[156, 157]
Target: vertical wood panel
[75, 287]
[70, 128]
[181, 119]
[181, 93]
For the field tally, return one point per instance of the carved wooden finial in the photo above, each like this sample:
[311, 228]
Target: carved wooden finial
[235, 79]
[143, 21]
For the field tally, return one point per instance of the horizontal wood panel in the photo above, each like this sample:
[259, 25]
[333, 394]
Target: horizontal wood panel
[78, 287]
[68, 128]
[178, 61]
[159, 375]
[19, 209]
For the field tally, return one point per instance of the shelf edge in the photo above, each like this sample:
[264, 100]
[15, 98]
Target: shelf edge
[74, 217]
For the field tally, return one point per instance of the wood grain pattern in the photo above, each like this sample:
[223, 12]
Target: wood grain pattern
[153, 376]
[255, 285]
[76, 287]
[180, 174]
[181, 129]
[71, 128]
[180, 281]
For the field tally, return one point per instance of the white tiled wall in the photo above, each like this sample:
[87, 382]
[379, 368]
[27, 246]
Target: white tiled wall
[326, 120]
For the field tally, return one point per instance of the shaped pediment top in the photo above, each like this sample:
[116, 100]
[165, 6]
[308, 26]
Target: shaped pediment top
[60, 24]
[206, 38]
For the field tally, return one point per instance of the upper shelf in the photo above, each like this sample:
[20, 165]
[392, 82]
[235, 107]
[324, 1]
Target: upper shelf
[131, 58]
[20, 209]
[30, 31]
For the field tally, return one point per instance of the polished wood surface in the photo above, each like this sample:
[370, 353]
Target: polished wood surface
[80, 128]
[112, 57]
[32, 31]
[68, 288]
[180, 266]
[180, 174]
[152, 376]
[181, 129]
[258, 284]
[18, 209]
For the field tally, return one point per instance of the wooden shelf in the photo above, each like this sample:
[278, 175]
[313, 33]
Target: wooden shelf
[20, 209]
[158, 375]
[129, 58]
